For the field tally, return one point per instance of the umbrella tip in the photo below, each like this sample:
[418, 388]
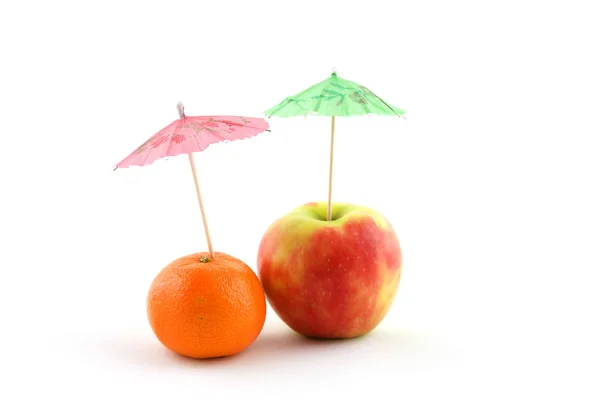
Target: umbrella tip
[334, 71]
[180, 110]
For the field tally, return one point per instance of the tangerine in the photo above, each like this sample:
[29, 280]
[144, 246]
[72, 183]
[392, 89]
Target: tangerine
[204, 308]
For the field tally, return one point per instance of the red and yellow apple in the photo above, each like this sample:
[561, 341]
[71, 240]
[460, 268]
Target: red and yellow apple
[330, 279]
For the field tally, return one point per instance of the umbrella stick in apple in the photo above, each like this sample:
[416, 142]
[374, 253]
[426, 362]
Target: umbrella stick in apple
[330, 168]
[334, 97]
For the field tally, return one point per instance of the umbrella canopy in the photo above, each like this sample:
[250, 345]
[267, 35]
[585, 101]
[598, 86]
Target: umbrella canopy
[193, 134]
[334, 97]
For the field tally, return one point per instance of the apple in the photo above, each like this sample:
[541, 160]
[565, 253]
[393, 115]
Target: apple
[330, 279]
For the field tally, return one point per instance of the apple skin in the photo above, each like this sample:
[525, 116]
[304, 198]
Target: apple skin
[330, 279]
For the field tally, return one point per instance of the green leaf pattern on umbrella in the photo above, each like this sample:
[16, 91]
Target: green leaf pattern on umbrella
[334, 97]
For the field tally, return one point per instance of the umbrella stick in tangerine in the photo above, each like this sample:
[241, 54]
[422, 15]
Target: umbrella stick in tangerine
[190, 134]
[198, 194]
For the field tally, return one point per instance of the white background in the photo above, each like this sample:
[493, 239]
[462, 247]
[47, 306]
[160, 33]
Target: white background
[491, 183]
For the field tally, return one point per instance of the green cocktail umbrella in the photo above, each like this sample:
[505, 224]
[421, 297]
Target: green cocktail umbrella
[334, 97]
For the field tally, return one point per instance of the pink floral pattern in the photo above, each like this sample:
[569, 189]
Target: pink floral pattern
[177, 138]
[204, 131]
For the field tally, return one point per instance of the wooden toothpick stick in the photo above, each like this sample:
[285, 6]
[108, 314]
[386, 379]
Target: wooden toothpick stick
[330, 168]
[180, 109]
[206, 232]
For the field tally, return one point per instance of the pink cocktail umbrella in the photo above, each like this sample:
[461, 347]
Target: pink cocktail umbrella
[188, 135]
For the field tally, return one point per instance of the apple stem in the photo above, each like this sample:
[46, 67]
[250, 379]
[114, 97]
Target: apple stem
[330, 169]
